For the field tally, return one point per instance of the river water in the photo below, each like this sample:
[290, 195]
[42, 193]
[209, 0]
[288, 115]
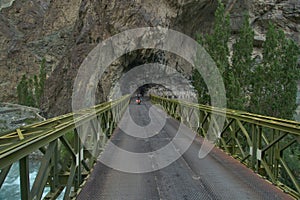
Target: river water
[10, 189]
[12, 117]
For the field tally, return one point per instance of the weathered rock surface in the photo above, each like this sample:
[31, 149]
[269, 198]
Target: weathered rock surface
[31, 31]
[64, 32]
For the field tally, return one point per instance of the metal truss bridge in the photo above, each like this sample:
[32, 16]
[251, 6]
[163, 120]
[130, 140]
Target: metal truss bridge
[252, 156]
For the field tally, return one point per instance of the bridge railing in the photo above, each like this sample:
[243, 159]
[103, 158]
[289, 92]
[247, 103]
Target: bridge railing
[265, 144]
[66, 157]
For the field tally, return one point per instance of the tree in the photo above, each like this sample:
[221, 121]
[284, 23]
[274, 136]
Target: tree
[240, 71]
[216, 45]
[30, 90]
[39, 83]
[275, 84]
[37, 92]
[22, 90]
[200, 87]
[30, 97]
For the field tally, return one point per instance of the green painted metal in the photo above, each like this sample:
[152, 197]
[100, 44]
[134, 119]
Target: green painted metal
[259, 142]
[24, 178]
[3, 174]
[64, 161]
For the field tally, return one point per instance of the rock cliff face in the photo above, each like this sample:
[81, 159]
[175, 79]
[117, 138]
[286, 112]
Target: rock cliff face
[31, 31]
[285, 14]
[64, 32]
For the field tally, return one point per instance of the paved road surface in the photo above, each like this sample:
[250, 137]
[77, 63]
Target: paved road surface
[217, 176]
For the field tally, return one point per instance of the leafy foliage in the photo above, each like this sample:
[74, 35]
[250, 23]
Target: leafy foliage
[22, 90]
[216, 45]
[30, 90]
[269, 88]
[275, 80]
[240, 71]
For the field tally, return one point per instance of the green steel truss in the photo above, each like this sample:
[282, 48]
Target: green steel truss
[264, 144]
[66, 157]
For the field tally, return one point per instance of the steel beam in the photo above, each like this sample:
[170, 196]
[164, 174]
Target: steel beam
[266, 137]
[24, 178]
[18, 144]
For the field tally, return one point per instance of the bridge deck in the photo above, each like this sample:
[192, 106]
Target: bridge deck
[217, 176]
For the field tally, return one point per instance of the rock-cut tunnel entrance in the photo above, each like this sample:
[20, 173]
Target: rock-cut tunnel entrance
[143, 72]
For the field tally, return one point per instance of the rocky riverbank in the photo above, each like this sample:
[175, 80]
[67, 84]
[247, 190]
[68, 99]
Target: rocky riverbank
[13, 116]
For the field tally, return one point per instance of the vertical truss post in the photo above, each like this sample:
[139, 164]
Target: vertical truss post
[3, 174]
[233, 136]
[201, 118]
[276, 155]
[111, 122]
[78, 151]
[54, 169]
[272, 153]
[44, 171]
[24, 178]
[103, 137]
[253, 149]
[258, 149]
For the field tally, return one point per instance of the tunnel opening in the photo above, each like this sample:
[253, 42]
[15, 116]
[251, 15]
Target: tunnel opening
[170, 77]
[154, 89]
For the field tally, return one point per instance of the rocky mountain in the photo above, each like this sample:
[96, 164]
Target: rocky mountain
[31, 31]
[64, 32]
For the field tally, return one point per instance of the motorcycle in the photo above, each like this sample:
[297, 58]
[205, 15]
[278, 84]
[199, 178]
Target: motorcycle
[138, 101]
